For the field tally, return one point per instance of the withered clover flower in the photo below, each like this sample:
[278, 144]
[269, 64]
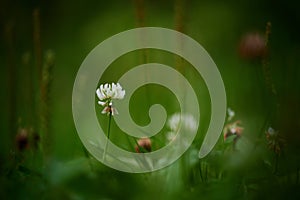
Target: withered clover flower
[143, 145]
[234, 128]
[106, 94]
[27, 138]
[274, 140]
[253, 46]
[22, 139]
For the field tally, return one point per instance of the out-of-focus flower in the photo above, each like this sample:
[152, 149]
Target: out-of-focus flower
[186, 121]
[275, 142]
[106, 94]
[230, 114]
[233, 129]
[171, 135]
[252, 46]
[143, 145]
[174, 122]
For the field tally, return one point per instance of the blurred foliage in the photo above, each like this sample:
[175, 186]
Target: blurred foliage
[41, 155]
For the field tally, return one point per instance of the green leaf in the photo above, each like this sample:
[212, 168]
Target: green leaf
[230, 139]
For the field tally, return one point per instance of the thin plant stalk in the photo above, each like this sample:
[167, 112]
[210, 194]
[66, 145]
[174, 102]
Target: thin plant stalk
[45, 89]
[276, 162]
[140, 18]
[271, 87]
[180, 13]
[44, 81]
[109, 122]
[12, 79]
[265, 63]
[200, 171]
[37, 40]
[140, 22]
[38, 67]
[179, 9]
[108, 131]
[297, 175]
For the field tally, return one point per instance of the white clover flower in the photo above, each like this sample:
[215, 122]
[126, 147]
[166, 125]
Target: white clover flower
[108, 92]
[189, 122]
[186, 121]
[230, 113]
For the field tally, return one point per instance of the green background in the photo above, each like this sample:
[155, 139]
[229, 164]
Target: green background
[60, 168]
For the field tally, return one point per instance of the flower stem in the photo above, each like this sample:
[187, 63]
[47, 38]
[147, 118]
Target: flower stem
[108, 131]
[109, 121]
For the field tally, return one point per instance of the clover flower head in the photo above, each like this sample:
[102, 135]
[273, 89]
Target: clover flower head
[107, 93]
[110, 91]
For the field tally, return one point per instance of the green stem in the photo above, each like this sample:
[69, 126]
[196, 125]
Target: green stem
[108, 132]
[297, 175]
[12, 78]
[200, 170]
[109, 122]
[276, 163]
[276, 160]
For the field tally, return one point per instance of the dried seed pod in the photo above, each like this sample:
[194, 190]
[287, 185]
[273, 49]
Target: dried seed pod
[252, 46]
[143, 145]
[22, 139]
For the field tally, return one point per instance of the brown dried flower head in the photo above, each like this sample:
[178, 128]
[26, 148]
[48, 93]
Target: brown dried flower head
[252, 46]
[233, 129]
[22, 139]
[143, 145]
